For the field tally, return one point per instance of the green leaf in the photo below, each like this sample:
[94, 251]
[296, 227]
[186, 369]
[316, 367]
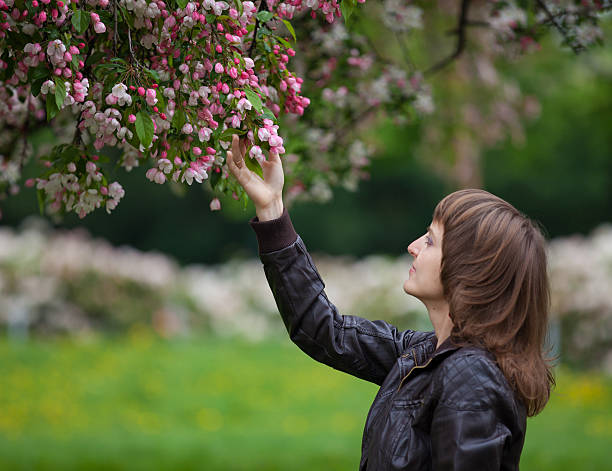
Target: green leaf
[178, 119]
[94, 58]
[144, 128]
[290, 28]
[40, 196]
[17, 40]
[69, 154]
[254, 99]
[347, 7]
[263, 31]
[153, 74]
[265, 16]
[51, 107]
[182, 3]
[60, 92]
[7, 73]
[253, 164]
[80, 21]
[37, 73]
[210, 18]
[227, 134]
[161, 100]
[36, 86]
[283, 41]
[239, 5]
[267, 113]
[215, 177]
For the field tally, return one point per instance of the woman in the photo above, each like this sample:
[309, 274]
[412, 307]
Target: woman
[453, 399]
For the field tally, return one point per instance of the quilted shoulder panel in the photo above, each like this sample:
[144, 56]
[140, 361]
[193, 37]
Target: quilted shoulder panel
[469, 379]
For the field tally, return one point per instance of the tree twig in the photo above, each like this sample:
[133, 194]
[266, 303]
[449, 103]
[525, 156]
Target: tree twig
[130, 43]
[405, 53]
[461, 40]
[475, 23]
[343, 131]
[559, 28]
[115, 32]
[261, 4]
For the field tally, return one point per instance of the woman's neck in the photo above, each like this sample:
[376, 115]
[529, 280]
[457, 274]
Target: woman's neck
[440, 319]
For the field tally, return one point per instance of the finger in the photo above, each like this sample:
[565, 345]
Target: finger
[274, 157]
[234, 166]
[237, 155]
[235, 158]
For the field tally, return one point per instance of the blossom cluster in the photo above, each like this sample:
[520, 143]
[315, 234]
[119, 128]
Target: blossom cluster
[199, 74]
[169, 83]
[65, 190]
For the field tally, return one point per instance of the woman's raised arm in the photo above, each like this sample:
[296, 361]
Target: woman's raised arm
[366, 349]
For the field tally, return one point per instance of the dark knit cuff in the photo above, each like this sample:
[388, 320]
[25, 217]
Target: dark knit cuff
[275, 234]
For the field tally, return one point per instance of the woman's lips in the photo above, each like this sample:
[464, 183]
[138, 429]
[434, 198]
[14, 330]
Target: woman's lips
[412, 270]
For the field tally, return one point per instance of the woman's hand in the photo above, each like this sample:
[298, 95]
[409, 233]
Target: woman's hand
[266, 193]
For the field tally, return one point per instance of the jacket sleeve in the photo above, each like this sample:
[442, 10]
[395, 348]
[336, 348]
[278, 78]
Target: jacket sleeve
[363, 348]
[471, 424]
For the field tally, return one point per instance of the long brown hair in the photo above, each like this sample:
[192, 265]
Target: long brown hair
[495, 279]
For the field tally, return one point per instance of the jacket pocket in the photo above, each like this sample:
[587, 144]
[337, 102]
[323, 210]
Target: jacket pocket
[401, 420]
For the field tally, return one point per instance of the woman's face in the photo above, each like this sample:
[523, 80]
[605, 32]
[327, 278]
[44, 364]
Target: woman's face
[424, 277]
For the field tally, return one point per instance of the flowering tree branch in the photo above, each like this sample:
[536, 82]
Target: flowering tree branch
[169, 83]
[461, 40]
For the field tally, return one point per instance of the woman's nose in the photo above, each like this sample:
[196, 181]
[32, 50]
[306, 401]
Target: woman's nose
[412, 250]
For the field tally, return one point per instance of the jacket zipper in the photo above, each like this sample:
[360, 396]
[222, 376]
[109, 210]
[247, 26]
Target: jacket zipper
[413, 368]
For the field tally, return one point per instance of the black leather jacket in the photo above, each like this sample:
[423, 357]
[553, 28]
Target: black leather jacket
[444, 409]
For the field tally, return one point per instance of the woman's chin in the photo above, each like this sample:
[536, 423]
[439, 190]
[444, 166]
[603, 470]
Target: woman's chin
[407, 287]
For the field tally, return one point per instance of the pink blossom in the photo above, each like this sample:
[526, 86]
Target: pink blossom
[151, 98]
[204, 134]
[263, 134]
[111, 99]
[116, 191]
[256, 153]
[99, 27]
[275, 141]
[155, 175]
[215, 204]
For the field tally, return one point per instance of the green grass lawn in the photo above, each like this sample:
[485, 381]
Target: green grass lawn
[138, 402]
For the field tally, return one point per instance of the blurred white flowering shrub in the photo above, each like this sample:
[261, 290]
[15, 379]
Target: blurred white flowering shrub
[53, 282]
[581, 278]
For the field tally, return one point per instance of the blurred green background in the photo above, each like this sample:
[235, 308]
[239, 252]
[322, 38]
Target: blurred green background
[141, 403]
[133, 395]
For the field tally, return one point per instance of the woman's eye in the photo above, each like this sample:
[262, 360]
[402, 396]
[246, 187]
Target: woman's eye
[428, 241]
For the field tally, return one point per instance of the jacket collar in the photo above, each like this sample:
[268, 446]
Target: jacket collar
[445, 347]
